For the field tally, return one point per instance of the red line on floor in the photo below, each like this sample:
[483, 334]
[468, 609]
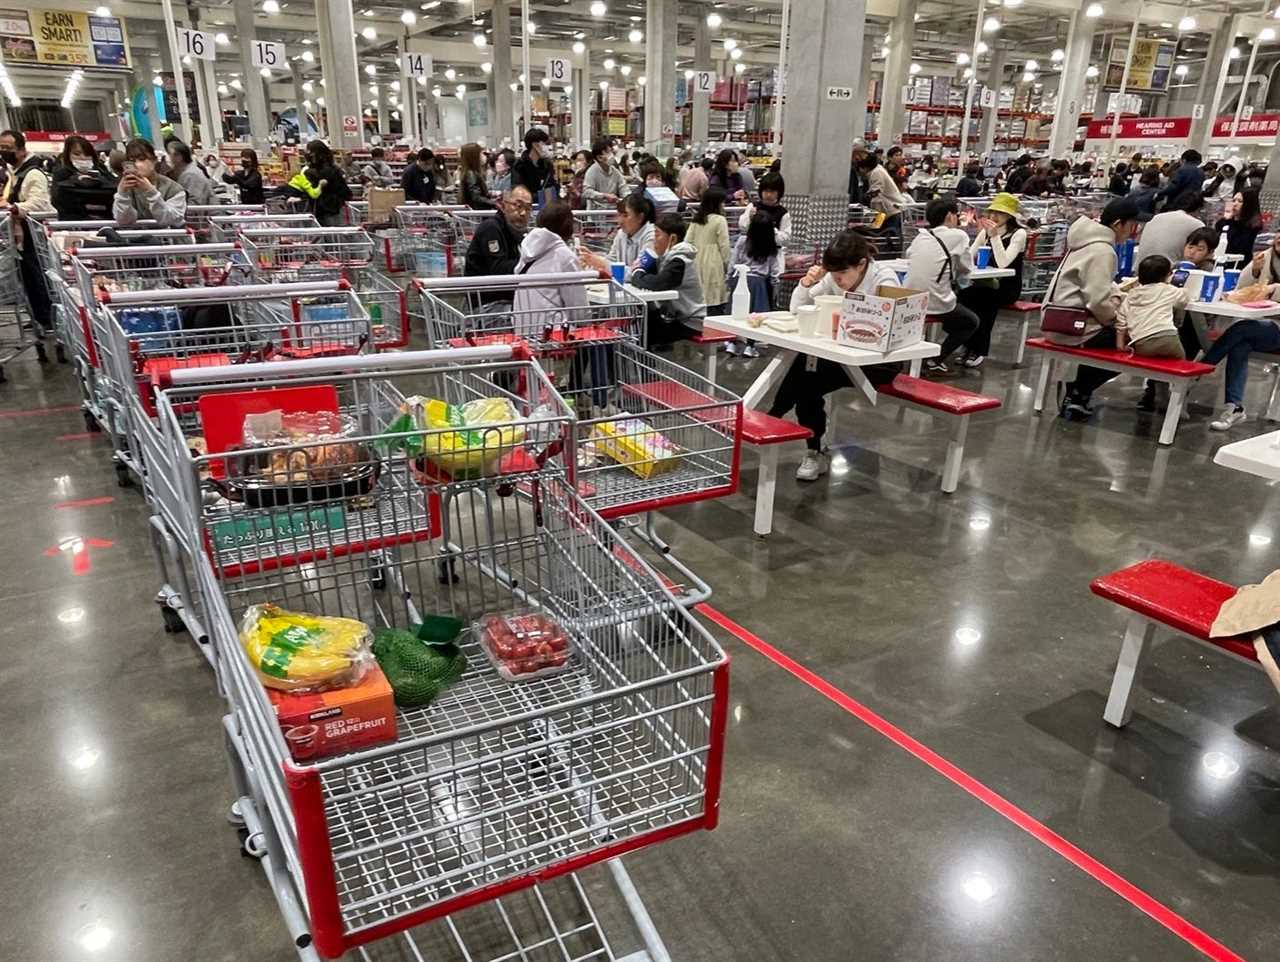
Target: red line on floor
[1082, 860]
[35, 412]
[84, 503]
[82, 436]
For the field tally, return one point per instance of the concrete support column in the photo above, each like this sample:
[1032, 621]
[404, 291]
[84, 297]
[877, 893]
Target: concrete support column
[384, 110]
[303, 115]
[994, 81]
[581, 118]
[431, 117]
[1066, 118]
[830, 34]
[255, 93]
[408, 94]
[208, 77]
[897, 71]
[660, 69]
[701, 61]
[1213, 81]
[342, 76]
[862, 92]
[503, 124]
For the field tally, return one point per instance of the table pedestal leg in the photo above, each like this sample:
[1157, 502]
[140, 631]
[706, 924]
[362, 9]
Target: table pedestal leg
[769, 379]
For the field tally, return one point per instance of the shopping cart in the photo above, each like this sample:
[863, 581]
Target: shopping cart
[200, 216]
[227, 228]
[423, 240]
[142, 337]
[595, 229]
[496, 786]
[468, 221]
[651, 434]
[15, 316]
[295, 253]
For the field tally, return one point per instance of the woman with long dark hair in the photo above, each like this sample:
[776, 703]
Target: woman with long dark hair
[331, 190]
[471, 187]
[725, 175]
[1242, 222]
[81, 188]
[248, 178]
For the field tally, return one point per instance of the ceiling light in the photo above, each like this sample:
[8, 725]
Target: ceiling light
[962, 59]
[408, 18]
[642, 80]
[520, 78]
[1094, 10]
[395, 85]
[688, 75]
[265, 72]
[308, 86]
[714, 20]
[224, 90]
[186, 60]
[221, 39]
[729, 43]
[1033, 66]
[1028, 77]
[1266, 34]
[102, 12]
[369, 33]
[319, 101]
[452, 74]
[604, 85]
[884, 51]
[1013, 3]
[625, 70]
[479, 40]
[568, 91]
[461, 89]
[532, 28]
[308, 57]
[370, 69]
[237, 84]
[270, 6]
[598, 9]
[635, 36]
[1092, 71]
[609, 63]
[514, 88]
[1180, 70]
[739, 67]
[914, 69]
[373, 89]
[1187, 23]
[487, 67]
[1058, 55]
[546, 81]
[1235, 53]
[982, 47]
[991, 25]
[431, 5]
[968, 73]
[579, 47]
[736, 53]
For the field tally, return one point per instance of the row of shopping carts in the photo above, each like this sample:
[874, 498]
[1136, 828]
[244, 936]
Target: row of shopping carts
[488, 802]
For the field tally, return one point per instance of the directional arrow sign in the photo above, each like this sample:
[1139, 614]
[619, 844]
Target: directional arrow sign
[78, 549]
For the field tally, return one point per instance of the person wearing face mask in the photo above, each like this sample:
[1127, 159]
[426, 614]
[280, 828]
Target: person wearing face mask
[81, 187]
[144, 194]
[578, 180]
[248, 178]
[27, 192]
[534, 170]
[602, 187]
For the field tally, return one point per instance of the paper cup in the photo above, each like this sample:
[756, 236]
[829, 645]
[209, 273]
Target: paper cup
[829, 308]
[807, 320]
[984, 257]
[1230, 279]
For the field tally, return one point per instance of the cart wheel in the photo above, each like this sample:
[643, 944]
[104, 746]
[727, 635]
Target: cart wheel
[254, 846]
[378, 577]
[123, 479]
[60, 353]
[172, 620]
[91, 423]
[448, 572]
[234, 815]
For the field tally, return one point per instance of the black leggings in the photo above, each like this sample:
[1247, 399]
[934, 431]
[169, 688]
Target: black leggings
[805, 391]
[985, 301]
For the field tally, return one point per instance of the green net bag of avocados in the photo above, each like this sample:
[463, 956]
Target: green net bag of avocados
[419, 670]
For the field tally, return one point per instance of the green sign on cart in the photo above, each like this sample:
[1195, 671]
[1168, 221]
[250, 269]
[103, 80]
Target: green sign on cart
[276, 527]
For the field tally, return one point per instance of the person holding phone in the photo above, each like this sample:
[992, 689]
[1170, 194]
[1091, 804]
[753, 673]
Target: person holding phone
[145, 194]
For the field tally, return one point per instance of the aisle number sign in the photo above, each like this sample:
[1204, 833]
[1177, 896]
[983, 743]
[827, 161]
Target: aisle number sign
[704, 82]
[66, 38]
[268, 54]
[558, 70]
[195, 43]
[417, 64]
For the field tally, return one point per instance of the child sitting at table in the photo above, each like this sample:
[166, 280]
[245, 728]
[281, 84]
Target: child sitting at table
[847, 265]
[758, 249]
[673, 269]
[1146, 321]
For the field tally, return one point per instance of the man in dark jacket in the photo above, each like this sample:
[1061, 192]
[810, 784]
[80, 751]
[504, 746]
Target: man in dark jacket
[1022, 172]
[1187, 179]
[534, 170]
[418, 181]
[858, 188]
[495, 247]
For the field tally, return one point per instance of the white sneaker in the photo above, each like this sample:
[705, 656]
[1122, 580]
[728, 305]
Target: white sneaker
[751, 351]
[731, 348]
[1229, 418]
[813, 466]
[973, 360]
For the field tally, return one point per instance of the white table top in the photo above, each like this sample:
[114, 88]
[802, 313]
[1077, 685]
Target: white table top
[822, 347]
[1227, 309]
[599, 294]
[1259, 456]
[977, 274]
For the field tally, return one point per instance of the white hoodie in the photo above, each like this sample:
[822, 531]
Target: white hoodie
[545, 252]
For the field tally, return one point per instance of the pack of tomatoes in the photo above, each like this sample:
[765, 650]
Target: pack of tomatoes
[523, 646]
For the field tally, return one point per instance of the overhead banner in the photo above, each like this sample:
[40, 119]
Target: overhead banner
[62, 38]
[1151, 68]
[1141, 128]
[1264, 126]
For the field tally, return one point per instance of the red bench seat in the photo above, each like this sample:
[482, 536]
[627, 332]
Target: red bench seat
[940, 397]
[761, 429]
[1160, 593]
[710, 336]
[1155, 365]
[1022, 307]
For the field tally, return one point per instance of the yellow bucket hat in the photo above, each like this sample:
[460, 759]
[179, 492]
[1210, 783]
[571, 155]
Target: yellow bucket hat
[1005, 203]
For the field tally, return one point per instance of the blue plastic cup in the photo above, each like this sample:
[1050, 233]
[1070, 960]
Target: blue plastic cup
[648, 260]
[619, 271]
[1229, 281]
[1209, 289]
[984, 257]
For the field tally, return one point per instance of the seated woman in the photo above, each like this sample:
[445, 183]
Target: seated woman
[1244, 337]
[1000, 231]
[546, 250]
[673, 269]
[1242, 223]
[847, 265]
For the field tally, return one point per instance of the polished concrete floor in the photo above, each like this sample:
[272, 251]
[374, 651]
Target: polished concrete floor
[835, 844]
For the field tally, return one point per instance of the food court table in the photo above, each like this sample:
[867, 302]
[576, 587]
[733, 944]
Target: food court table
[1206, 314]
[601, 294]
[1259, 456]
[852, 359]
[899, 265]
